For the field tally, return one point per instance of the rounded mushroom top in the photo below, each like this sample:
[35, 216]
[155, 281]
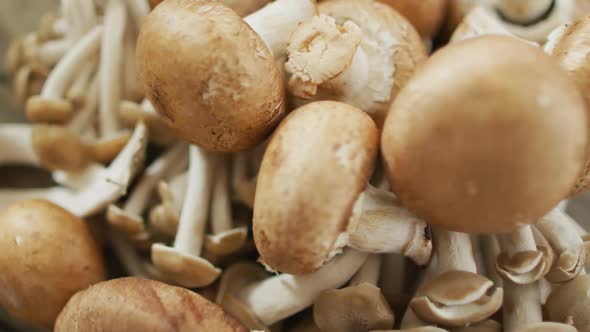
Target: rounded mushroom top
[490, 134]
[42, 245]
[317, 163]
[570, 302]
[135, 304]
[209, 75]
[425, 15]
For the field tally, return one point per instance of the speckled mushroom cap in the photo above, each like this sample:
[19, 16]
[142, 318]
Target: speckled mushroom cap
[490, 134]
[425, 15]
[135, 304]
[316, 164]
[209, 75]
[48, 254]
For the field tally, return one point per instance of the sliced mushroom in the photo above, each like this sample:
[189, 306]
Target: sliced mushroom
[182, 263]
[359, 52]
[230, 114]
[292, 193]
[472, 185]
[135, 304]
[569, 303]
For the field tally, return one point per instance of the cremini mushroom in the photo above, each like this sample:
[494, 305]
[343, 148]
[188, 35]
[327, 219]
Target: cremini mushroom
[240, 99]
[226, 239]
[43, 245]
[457, 296]
[340, 145]
[360, 52]
[426, 16]
[569, 302]
[182, 263]
[567, 244]
[467, 182]
[358, 307]
[135, 304]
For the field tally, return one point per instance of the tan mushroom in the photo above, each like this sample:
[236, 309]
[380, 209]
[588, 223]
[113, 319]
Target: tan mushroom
[479, 21]
[426, 16]
[471, 184]
[358, 307]
[43, 245]
[294, 192]
[569, 302]
[359, 52]
[164, 217]
[458, 296]
[216, 110]
[135, 304]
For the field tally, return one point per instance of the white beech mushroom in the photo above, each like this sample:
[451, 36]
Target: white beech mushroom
[457, 296]
[360, 306]
[567, 243]
[182, 263]
[472, 184]
[357, 51]
[226, 238]
[129, 219]
[42, 246]
[82, 83]
[570, 303]
[213, 77]
[165, 216]
[328, 183]
[28, 81]
[135, 304]
[132, 88]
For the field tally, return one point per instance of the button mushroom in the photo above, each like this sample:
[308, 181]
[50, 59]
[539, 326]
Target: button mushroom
[569, 303]
[357, 51]
[479, 21]
[241, 98]
[472, 179]
[135, 304]
[326, 182]
[43, 245]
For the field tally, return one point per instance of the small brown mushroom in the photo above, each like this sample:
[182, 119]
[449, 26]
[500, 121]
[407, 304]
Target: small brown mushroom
[569, 303]
[43, 245]
[135, 304]
[467, 182]
[294, 192]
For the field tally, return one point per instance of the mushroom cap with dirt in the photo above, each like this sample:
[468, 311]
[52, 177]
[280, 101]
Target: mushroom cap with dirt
[209, 75]
[570, 303]
[48, 254]
[426, 15]
[136, 304]
[508, 147]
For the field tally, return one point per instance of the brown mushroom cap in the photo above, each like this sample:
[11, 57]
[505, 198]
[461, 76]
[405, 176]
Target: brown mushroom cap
[209, 75]
[425, 15]
[571, 301]
[48, 254]
[316, 164]
[135, 304]
[490, 134]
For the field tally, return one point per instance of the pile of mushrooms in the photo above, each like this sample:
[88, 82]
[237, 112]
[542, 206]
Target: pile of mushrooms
[299, 165]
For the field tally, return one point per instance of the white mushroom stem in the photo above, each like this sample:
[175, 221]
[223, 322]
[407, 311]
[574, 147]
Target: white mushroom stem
[517, 241]
[369, 271]
[557, 229]
[69, 13]
[454, 251]
[522, 305]
[132, 87]
[275, 22]
[133, 264]
[81, 85]
[51, 51]
[110, 67]
[524, 11]
[221, 217]
[410, 319]
[16, 146]
[491, 250]
[9, 196]
[191, 229]
[279, 297]
[83, 120]
[139, 10]
[177, 186]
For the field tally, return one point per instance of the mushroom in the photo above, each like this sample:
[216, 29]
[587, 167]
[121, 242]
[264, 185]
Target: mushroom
[357, 51]
[394, 282]
[458, 296]
[182, 263]
[164, 217]
[133, 264]
[416, 329]
[479, 21]
[82, 84]
[566, 242]
[43, 245]
[259, 302]
[226, 239]
[50, 105]
[568, 303]
[488, 325]
[135, 304]
[466, 182]
[490, 250]
[29, 81]
[16, 145]
[358, 307]
[243, 185]
[426, 16]
[132, 88]
[294, 192]
[410, 319]
[131, 113]
[189, 70]
[129, 219]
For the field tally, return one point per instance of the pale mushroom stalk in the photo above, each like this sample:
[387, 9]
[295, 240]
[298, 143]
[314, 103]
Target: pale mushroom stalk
[138, 9]
[225, 239]
[28, 81]
[369, 272]
[182, 262]
[524, 11]
[50, 104]
[80, 16]
[279, 297]
[110, 67]
[454, 251]
[16, 146]
[165, 216]
[567, 244]
[49, 52]
[83, 119]
[522, 305]
[243, 186]
[132, 86]
[129, 219]
[490, 250]
[81, 86]
[409, 319]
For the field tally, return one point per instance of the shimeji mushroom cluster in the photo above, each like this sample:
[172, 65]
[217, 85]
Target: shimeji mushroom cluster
[294, 165]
